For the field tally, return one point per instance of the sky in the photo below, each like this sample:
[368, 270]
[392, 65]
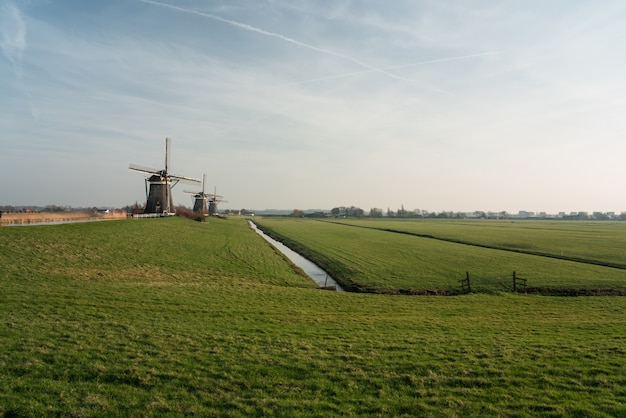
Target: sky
[312, 104]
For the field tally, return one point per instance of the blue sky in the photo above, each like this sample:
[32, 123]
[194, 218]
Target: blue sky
[436, 105]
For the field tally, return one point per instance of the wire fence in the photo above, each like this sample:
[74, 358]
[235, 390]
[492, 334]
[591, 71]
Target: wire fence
[490, 284]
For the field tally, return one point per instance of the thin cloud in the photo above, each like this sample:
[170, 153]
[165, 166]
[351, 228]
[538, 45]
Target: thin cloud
[13, 45]
[277, 35]
[13, 32]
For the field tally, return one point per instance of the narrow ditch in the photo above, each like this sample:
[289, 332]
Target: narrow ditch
[319, 276]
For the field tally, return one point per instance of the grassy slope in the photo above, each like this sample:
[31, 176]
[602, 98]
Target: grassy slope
[385, 261]
[92, 324]
[145, 250]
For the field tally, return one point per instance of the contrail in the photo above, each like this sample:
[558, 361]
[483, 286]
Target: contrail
[277, 35]
[395, 67]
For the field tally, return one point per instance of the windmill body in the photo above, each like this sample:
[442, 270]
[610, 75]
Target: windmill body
[214, 199]
[200, 204]
[159, 195]
[200, 199]
[159, 198]
[213, 207]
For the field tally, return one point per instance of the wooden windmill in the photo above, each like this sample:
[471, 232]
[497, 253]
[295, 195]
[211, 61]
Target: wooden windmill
[214, 199]
[159, 196]
[200, 199]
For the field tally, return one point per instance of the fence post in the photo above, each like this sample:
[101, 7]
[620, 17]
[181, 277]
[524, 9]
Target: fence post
[469, 286]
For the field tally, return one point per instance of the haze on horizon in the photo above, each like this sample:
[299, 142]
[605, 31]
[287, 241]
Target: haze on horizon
[437, 105]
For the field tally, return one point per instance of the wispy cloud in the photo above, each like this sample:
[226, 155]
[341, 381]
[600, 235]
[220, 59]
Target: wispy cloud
[13, 31]
[13, 45]
[251, 28]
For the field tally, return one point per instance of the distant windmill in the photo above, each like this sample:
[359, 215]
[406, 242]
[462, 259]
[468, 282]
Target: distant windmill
[200, 198]
[159, 198]
[214, 199]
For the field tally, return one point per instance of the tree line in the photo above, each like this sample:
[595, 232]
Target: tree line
[356, 212]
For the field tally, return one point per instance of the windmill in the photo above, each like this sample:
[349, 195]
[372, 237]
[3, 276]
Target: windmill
[214, 199]
[159, 197]
[200, 198]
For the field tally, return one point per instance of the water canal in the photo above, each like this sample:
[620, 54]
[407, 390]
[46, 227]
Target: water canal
[318, 275]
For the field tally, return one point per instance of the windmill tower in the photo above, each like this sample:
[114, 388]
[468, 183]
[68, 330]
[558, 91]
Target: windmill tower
[159, 197]
[200, 198]
[214, 199]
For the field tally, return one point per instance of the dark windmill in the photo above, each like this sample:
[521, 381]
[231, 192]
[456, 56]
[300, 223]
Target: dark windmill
[200, 199]
[159, 196]
[214, 199]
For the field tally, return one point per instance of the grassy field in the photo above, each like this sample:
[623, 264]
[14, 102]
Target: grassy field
[375, 259]
[171, 317]
[594, 241]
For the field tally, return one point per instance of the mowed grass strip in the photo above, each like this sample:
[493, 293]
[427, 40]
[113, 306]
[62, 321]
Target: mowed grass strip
[594, 241]
[187, 339]
[378, 260]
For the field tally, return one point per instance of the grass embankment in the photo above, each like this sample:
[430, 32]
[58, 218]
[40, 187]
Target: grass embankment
[372, 259]
[172, 317]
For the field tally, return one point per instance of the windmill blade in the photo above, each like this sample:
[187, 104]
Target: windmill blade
[167, 149]
[214, 194]
[184, 178]
[190, 192]
[144, 169]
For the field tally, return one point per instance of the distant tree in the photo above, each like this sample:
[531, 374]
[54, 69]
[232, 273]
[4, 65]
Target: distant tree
[53, 208]
[297, 213]
[415, 213]
[136, 209]
[354, 212]
[376, 213]
[343, 211]
[339, 210]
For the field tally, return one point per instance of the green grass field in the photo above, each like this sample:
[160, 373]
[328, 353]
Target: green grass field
[594, 241]
[375, 259]
[168, 317]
